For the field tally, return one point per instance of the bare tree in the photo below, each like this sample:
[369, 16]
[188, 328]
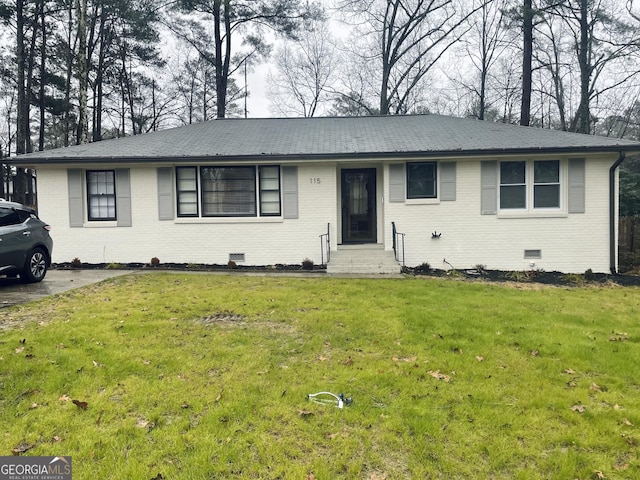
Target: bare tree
[601, 43]
[485, 44]
[406, 39]
[305, 71]
[241, 18]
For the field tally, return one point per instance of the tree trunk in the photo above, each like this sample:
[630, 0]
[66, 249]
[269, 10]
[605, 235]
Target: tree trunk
[221, 14]
[23, 102]
[584, 113]
[527, 54]
[43, 73]
[83, 73]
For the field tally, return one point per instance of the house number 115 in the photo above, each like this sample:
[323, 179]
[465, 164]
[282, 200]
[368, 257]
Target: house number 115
[315, 180]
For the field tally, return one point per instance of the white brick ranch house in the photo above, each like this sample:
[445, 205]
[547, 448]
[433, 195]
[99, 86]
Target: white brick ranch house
[263, 191]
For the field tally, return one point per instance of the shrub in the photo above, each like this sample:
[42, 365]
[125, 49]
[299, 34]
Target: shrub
[423, 268]
[481, 269]
[113, 266]
[232, 264]
[76, 263]
[589, 276]
[307, 264]
[155, 261]
[520, 275]
[574, 278]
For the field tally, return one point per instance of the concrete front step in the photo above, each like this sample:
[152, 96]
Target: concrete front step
[362, 259]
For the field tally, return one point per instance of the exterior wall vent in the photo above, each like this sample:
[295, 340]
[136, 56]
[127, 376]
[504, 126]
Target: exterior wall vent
[532, 254]
[236, 257]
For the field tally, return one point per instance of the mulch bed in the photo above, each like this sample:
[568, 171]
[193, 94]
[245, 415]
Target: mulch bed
[525, 276]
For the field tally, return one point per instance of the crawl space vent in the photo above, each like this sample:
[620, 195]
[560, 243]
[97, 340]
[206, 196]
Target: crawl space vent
[528, 254]
[236, 257]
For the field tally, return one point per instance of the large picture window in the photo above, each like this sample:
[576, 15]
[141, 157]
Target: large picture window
[228, 191]
[530, 185]
[101, 194]
[421, 180]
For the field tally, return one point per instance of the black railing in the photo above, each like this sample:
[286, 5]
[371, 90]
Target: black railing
[325, 245]
[398, 243]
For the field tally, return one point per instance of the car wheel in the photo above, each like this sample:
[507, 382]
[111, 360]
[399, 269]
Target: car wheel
[36, 267]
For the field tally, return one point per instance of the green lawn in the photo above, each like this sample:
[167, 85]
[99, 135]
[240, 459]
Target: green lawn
[206, 377]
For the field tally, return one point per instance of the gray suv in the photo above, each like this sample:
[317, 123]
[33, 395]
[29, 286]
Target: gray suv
[25, 244]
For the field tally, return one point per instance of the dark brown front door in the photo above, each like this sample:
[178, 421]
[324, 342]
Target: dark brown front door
[359, 205]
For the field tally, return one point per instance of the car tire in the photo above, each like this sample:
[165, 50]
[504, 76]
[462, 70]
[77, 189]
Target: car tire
[35, 267]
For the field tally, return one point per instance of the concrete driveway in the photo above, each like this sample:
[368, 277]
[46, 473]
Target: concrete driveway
[13, 291]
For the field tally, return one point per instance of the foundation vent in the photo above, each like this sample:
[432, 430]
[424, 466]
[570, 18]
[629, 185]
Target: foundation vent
[236, 257]
[532, 254]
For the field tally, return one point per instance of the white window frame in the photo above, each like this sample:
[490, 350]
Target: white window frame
[100, 194]
[260, 203]
[530, 188]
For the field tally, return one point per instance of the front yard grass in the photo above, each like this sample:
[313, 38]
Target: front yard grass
[182, 376]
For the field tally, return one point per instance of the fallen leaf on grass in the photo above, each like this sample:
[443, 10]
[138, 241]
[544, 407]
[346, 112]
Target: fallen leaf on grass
[146, 362]
[627, 422]
[304, 413]
[64, 398]
[618, 407]
[570, 371]
[33, 406]
[618, 337]
[404, 359]
[348, 362]
[439, 376]
[621, 466]
[96, 364]
[534, 353]
[61, 346]
[599, 474]
[22, 448]
[479, 358]
[81, 405]
[579, 408]
[322, 358]
[19, 349]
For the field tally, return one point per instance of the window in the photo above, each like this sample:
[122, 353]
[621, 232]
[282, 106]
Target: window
[270, 191]
[546, 184]
[421, 180]
[187, 189]
[513, 187]
[228, 191]
[101, 194]
[519, 192]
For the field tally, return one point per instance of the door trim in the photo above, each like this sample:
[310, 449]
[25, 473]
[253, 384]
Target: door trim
[369, 219]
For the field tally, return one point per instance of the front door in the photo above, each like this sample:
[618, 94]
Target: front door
[359, 205]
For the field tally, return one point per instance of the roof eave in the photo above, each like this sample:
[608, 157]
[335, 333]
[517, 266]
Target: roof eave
[55, 160]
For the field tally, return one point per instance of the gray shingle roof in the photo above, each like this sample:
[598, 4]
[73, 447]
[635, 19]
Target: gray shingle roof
[343, 137]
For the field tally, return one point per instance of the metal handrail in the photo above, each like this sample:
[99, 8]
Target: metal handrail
[325, 245]
[395, 236]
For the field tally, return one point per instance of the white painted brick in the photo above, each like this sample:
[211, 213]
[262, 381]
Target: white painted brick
[574, 243]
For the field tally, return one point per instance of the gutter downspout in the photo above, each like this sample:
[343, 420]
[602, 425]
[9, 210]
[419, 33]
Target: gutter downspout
[612, 212]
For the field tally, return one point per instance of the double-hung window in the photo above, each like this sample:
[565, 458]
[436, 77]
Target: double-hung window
[244, 191]
[228, 191]
[101, 195]
[530, 185]
[422, 180]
